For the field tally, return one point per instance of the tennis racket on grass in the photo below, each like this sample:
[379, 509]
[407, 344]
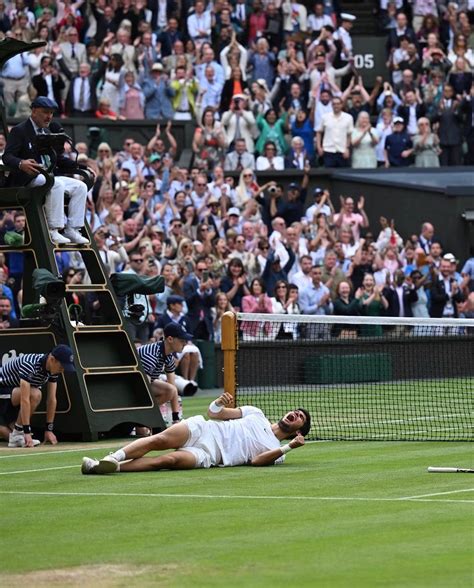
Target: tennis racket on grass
[435, 470]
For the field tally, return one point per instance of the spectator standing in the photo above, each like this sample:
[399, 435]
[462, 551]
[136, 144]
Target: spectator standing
[48, 82]
[15, 78]
[131, 98]
[402, 29]
[372, 302]
[199, 293]
[450, 133]
[334, 136]
[272, 128]
[345, 305]
[210, 90]
[467, 108]
[186, 89]
[158, 93]
[112, 81]
[262, 60]
[302, 278]
[445, 292]
[274, 269]
[81, 99]
[364, 139]
[347, 217]
[400, 296]
[331, 275]
[72, 53]
[257, 301]
[411, 110]
[208, 142]
[316, 300]
[199, 23]
[426, 145]
[398, 145]
[384, 129]
[239, 123]
[125, 49]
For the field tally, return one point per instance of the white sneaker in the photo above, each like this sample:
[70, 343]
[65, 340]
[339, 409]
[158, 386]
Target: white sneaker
[107, 465]
[75, 236]
[17, 439]
[89, 466]
[57, 238]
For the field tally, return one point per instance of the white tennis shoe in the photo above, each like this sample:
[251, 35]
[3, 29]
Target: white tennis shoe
[17, 439]
[107, 465]
[89, 465]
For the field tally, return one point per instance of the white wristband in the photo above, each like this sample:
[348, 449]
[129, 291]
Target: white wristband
[286, 448]
[215, 408]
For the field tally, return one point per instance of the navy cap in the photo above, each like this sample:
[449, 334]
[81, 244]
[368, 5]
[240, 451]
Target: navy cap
[175, 330]
[44, 102]
[294, 186]
[174, 299]
[63, 353]
[318, 191]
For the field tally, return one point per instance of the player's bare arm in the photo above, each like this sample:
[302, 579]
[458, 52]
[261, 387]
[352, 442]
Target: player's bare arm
[221, 408]
[269, 457]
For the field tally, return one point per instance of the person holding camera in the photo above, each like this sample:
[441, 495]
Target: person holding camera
[111, 249]
[22, 155]
[239, 123]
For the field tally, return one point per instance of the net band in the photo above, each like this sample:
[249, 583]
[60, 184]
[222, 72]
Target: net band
[368, 320]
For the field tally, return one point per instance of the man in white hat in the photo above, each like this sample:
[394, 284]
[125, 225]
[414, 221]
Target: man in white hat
[343, 35]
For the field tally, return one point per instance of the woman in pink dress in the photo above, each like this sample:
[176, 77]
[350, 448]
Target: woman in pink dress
[131, 98]
[257, 302]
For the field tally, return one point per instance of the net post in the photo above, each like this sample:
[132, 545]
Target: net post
[229, 347]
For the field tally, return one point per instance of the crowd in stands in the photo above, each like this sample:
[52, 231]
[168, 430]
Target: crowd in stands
[276, 75]
[270, 86]
[266, 254]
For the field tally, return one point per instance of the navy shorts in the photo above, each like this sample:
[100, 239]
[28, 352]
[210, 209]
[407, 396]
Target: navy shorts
[8, 412]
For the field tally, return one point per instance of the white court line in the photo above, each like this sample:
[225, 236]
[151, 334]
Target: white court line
[436, 494]
[39, 470]
[224, 496]
[56, 452]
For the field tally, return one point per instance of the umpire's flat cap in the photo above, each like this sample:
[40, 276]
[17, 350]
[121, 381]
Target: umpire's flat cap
[44, 102]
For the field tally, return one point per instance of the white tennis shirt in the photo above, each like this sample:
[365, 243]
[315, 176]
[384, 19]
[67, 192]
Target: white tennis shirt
[240, 440]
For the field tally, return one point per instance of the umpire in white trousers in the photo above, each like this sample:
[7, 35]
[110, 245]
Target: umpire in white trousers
[22, 155]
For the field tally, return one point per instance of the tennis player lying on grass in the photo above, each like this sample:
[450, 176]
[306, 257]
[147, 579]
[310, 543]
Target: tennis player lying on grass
[233, 436]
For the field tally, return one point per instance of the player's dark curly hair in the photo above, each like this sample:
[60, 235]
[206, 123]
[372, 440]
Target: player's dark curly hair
[307, 426]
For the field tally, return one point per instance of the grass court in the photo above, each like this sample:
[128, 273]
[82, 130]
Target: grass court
[336, 515]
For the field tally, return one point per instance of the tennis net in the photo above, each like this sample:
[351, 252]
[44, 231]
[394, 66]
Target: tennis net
[362, 378]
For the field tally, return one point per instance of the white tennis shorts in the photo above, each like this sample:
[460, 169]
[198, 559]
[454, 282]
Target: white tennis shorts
[201, 442]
